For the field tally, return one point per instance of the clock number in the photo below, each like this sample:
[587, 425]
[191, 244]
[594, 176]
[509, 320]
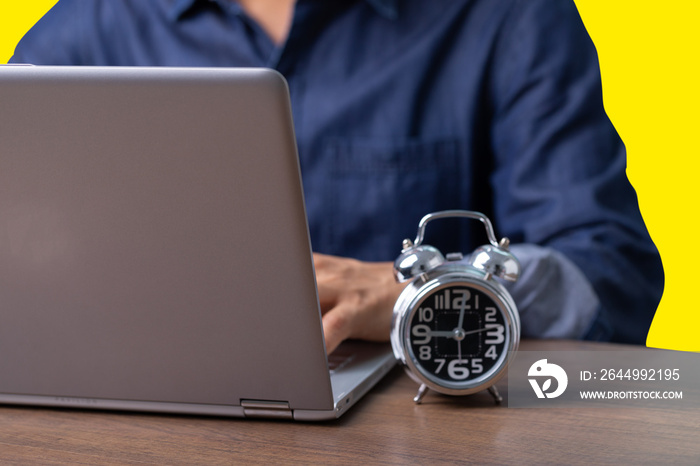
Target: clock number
[425, 314]
[461, 301]
[491, 352]
[421, 331]
[458, 372]
[424, 353]
[494, 336]
[490, 314]
[442, 301]
[441, 362]
[447, 302]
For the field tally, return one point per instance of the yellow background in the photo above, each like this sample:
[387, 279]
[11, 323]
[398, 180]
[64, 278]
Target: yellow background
[649, 59]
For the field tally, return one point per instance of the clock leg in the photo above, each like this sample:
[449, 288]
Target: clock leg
[421, 393]
[496, 396]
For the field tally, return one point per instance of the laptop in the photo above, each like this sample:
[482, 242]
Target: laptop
[154, 248]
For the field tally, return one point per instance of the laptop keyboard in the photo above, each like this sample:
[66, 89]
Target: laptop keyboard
[339, 359]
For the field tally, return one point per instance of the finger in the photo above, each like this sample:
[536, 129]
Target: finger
[328, 295]
[336, 327]
[327, 283]
[321, 260]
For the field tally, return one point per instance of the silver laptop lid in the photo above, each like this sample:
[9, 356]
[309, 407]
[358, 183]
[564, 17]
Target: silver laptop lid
[153, 239]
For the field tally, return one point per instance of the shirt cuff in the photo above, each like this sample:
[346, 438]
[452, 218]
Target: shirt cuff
[554, 297]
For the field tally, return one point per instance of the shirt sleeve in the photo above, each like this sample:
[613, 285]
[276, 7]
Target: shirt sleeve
[555, 298]
[560, 181]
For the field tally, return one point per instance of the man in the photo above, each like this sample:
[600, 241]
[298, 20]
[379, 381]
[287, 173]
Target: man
[404, 107]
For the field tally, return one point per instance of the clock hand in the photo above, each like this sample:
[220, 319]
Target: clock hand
[459, 335]
[459, 331]
[459, 346]
[475, 331]
[462, 312]
[444, 333]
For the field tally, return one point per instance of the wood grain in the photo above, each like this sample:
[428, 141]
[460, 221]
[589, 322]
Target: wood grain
[384, 428]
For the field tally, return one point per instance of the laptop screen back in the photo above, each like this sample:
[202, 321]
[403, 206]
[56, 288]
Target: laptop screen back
[153, 239]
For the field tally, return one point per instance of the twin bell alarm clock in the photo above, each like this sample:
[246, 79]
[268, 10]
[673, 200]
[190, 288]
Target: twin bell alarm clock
[455, 327]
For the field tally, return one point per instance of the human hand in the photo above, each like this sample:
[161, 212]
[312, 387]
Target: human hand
[357, 298]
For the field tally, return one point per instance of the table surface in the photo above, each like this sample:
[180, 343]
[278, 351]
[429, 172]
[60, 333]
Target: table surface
[385, 427]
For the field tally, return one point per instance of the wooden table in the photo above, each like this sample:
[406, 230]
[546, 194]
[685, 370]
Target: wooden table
[385, 427]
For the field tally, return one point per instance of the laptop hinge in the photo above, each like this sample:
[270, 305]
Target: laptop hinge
[266, 409]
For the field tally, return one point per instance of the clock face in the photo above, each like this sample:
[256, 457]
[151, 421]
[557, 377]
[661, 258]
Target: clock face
[458, 336]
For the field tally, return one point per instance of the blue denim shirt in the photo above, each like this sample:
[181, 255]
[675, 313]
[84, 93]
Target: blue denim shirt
[404, 107]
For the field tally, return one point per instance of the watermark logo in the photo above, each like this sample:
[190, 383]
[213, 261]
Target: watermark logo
[631, 377]
[546, 371]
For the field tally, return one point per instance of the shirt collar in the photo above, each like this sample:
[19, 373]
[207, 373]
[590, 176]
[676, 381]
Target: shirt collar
[387, 8]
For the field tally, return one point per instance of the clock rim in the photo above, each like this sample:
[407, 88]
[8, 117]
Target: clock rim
[417, 291]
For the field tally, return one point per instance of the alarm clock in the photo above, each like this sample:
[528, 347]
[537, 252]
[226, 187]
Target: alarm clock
[455, 327]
